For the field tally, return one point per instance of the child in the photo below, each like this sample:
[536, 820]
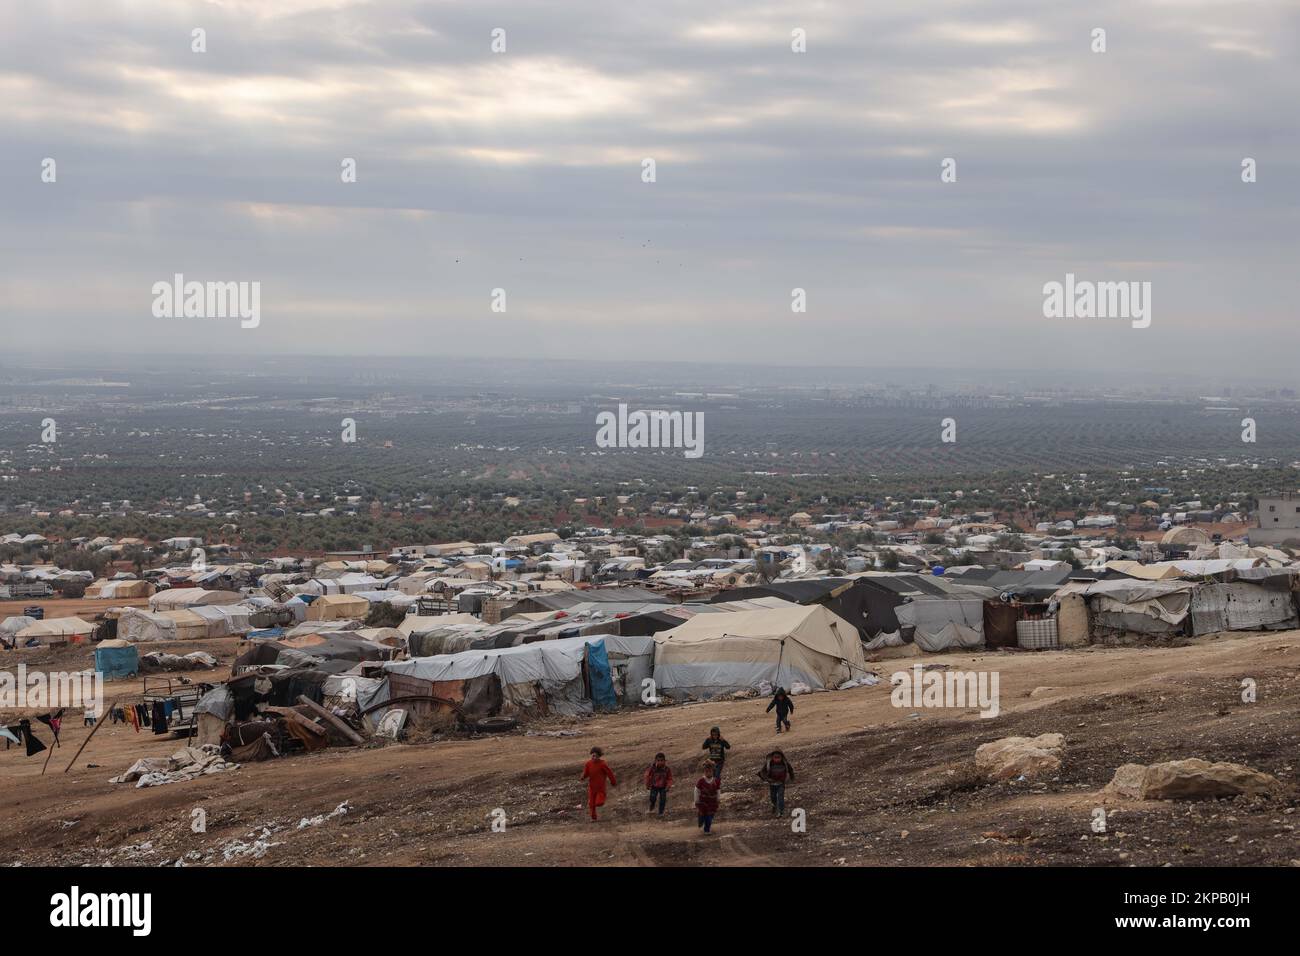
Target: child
[706, 796]
[717, 748]
[777, 771]
[784, 708]
[658, 778]
[596, 772]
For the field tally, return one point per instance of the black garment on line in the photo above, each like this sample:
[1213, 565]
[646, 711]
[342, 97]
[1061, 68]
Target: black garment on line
[34, 745]
[159, 717]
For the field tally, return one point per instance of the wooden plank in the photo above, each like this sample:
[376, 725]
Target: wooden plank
[330, 719]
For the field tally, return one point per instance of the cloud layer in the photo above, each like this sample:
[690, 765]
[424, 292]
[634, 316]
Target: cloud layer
[522, 170]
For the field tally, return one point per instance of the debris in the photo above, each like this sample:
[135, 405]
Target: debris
[340, 810]
[185, 764]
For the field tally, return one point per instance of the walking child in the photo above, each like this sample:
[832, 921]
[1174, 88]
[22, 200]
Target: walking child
[777, 771]
[658, 780]
[706, 797]
[784, 708]
[596, 772]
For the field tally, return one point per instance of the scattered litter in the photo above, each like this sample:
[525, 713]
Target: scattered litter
[238, 849]
[320, 818]
[185, 764]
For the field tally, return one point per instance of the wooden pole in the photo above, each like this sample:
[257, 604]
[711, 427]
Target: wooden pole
[99, 723]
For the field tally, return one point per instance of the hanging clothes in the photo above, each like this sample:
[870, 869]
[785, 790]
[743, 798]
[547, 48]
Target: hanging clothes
[159, 717]
[34, 745]
[52, 721]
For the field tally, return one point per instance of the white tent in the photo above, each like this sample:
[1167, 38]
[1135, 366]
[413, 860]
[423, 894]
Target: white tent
[719, 653]
[57, 630]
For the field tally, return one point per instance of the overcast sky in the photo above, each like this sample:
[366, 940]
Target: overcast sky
[522, 170]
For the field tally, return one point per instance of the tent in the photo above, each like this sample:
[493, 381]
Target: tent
[138, 626]
[336, 607]
[57, 630]
[119, 590]
[719, 653]
[224, 620]
[117, 659]
[941, 623]
[569, 676]
[174, 598]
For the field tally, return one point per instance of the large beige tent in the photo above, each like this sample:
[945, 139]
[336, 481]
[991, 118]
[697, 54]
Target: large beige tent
[57, 630]
[720, 653]
[119, 590]
[336, 607]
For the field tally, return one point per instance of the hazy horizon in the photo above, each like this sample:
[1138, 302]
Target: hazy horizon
[775, 170]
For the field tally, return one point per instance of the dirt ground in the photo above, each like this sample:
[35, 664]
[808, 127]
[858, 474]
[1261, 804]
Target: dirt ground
[878, 785]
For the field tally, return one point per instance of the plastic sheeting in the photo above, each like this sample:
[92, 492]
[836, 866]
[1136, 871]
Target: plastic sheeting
[553, 667]
[943, 623]
[1240, 606]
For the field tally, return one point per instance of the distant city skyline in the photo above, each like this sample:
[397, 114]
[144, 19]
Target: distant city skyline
[774, 170]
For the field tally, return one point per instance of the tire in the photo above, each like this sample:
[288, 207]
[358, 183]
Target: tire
[496, 725]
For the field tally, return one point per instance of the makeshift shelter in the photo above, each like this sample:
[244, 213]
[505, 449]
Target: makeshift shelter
[336, 607]
[117, 659]
[940, 623]
[58, 630]
[570, 676]
[1241, 606]
[713, 654]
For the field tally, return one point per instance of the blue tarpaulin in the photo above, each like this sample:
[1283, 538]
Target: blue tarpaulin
[116, 663]
[602, 683]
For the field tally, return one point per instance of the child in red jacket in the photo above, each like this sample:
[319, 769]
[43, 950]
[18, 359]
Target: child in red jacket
[706, 797]
[596, 772]
[658, 779]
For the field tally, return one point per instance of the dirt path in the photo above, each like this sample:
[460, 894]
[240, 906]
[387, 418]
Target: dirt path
[879, 785]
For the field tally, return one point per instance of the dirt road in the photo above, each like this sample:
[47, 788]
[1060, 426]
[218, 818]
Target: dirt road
[878, 785]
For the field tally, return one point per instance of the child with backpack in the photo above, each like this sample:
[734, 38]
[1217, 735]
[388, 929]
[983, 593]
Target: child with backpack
[658, 780]
[717, 747]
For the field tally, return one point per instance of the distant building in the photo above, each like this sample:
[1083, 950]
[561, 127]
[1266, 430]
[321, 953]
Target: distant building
[1278, 519]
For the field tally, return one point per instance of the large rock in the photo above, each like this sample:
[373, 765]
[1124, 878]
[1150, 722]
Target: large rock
[1020, 756]
[1128, 781]
[1192, 779]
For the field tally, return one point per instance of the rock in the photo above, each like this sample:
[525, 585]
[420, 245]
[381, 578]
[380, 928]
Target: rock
[1020, 756]
[1127, 781]
[1192, 779]
[1197, 779]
